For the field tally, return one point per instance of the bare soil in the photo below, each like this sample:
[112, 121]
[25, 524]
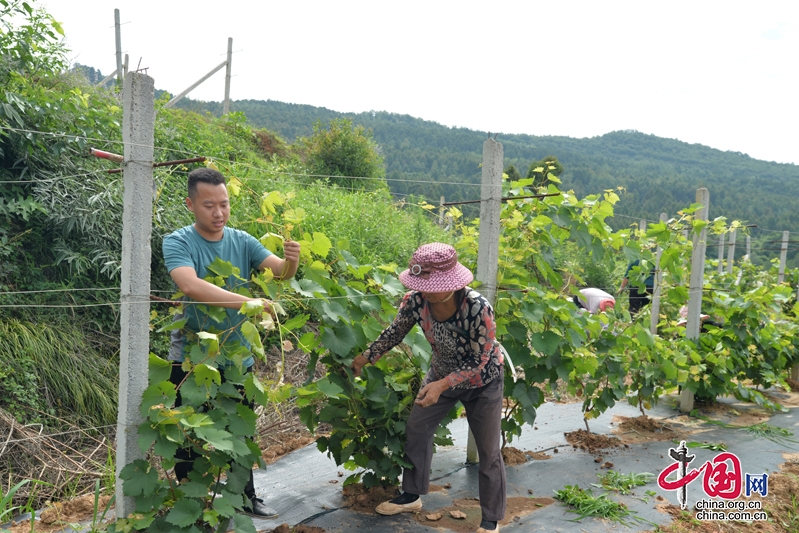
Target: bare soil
[517, 507]
[647, 429]
[740, 414]
[593, 443]
[364, 500]
[276, 451]
[786, 398]
[57, 516]
[793, 384]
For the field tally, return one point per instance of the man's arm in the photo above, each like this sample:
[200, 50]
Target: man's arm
[201, 291]
[623, 284]
[284, 268]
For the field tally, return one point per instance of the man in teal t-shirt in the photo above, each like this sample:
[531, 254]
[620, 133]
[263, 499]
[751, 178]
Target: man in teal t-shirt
[187, 253]
[187, 248]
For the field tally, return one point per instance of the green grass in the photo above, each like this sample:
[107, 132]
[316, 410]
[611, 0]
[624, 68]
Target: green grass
[775, 434]
[763, 430]
[622, 483]
[585, 504]
[78, 383]
[712, 446]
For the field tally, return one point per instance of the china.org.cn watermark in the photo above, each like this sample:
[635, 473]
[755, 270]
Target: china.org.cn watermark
[723, 482]
[747, 511]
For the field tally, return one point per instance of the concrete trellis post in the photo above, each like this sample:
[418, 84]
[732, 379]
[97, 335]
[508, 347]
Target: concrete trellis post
[488, 243]
[655, 311]
[118, 43]
[731, 252]
[226, 105]
[783, 256]
[695, 287]
[226, 62]
[138, 123]
[490, 206]
[721, 253]
[441, 211]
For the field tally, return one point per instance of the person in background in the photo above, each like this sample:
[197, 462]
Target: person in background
[638, 297]
[466, 366]
[704, 320]
[594, 300]
[187, 253]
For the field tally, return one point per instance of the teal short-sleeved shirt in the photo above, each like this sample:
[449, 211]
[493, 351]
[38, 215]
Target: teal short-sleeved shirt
[650, 279]
[186, 247]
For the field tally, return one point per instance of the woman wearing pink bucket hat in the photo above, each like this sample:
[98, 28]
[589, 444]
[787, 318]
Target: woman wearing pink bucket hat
[466, 366]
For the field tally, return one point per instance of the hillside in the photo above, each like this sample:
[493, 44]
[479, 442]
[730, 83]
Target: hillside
[660, 175]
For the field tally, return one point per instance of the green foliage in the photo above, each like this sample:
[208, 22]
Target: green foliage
[59, 230]
[378, 231]
[346, 155]
[512, 173]
[657, 175]
[367, 415]
[30, 48]
[544, 170]
[215, 420]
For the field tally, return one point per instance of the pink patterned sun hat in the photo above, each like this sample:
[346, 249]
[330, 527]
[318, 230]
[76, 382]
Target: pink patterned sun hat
[434, 267]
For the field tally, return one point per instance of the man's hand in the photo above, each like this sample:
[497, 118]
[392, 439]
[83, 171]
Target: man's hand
[430, 393]
[291, 251]
[268, 309]
[267, 315]
[357, 364]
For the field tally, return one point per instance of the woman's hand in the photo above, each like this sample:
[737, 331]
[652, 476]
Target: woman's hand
[430, 393]
[357, 364]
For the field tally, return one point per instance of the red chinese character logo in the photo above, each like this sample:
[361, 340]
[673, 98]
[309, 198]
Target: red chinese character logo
[718, 482]
[722, 475]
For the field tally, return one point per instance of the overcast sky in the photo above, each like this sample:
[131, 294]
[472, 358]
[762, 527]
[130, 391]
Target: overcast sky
[720, 73]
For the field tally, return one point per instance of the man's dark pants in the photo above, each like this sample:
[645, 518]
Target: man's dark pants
[185, 456]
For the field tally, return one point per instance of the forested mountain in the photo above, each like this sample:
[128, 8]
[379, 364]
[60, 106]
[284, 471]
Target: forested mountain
[660, 175]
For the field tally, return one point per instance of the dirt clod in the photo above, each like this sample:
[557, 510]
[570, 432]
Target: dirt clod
[591, 442]
[513, 456]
